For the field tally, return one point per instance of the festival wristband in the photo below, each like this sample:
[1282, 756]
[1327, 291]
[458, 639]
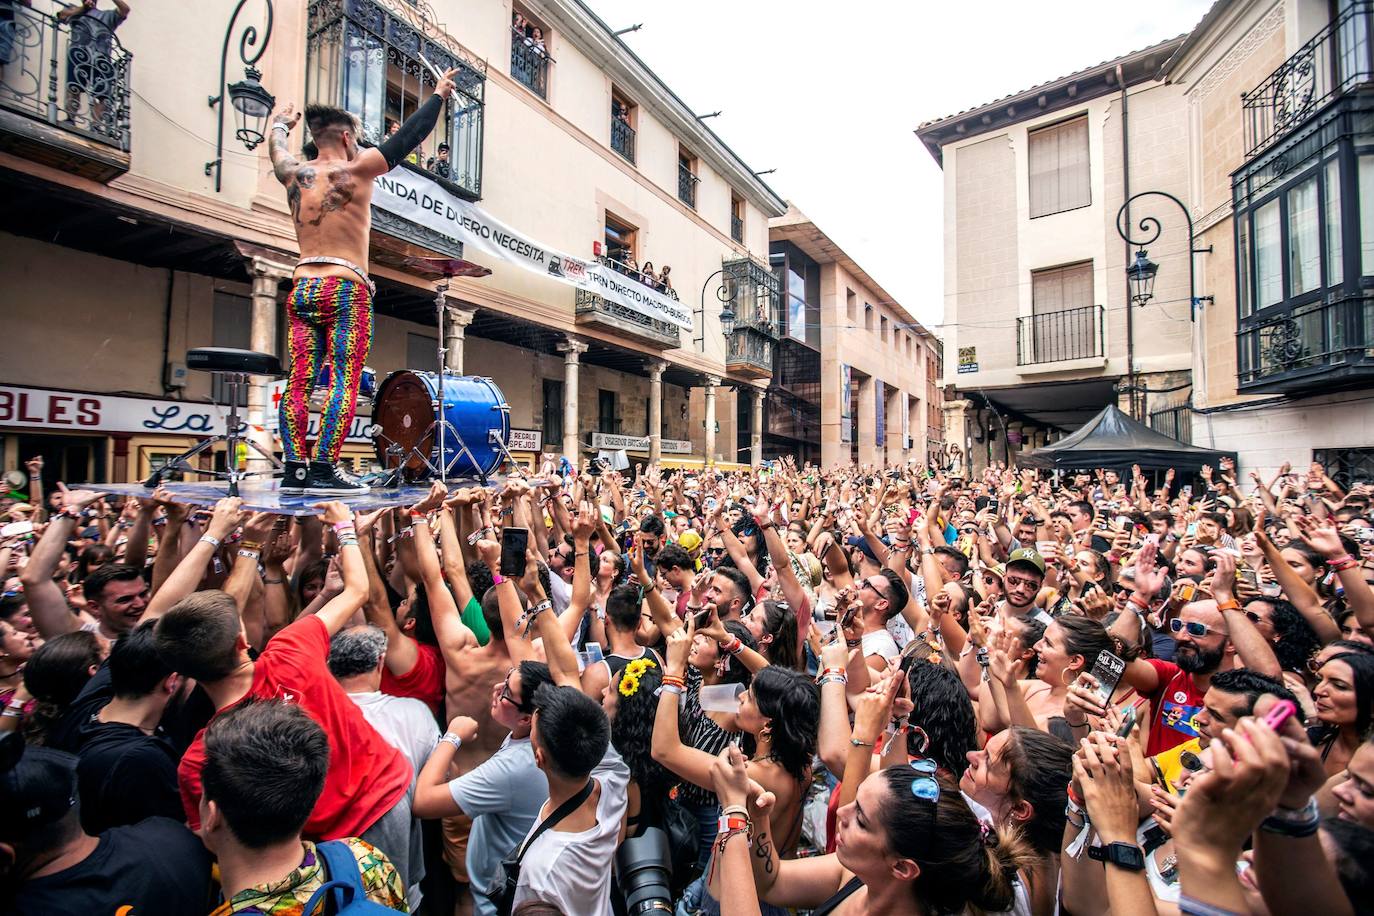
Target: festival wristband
[730, 823]
[211, 540]
[452, 739]
[497, 579]
[250, 554]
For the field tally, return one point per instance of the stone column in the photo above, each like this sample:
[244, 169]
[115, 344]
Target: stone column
[711, 381]
[655, 367]
[267, 277]
[867, 431]
[756, 429]
[572, 350]
[1014, 428]
[956, 427]
[456, 321]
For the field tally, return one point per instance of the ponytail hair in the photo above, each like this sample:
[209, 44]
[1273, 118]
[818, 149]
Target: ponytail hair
[965, 866]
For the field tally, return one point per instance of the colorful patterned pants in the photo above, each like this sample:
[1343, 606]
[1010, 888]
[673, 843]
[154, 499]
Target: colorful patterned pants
[329, 324]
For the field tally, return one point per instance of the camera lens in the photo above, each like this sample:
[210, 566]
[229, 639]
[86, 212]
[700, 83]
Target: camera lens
[644, 867]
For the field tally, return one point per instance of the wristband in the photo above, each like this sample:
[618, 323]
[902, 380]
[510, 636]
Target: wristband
[1345, 561]
[853, 643]
[674, 680]
[731, 823]
[211, 540]
[855, 742]
[1230, 604]
[452, 739]
[674, 689]
[15, 703]
[267, 581]
[832, 679]
[497, 579]
[341, 527]
[12, 712]
[281, 127]
[1296, 824]
[249, 553]
[734, 647]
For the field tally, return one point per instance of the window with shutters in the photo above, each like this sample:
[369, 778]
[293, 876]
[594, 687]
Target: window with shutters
[1065, 323]
[1059, 178]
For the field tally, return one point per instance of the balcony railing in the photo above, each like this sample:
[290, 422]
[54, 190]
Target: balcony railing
[623, 138]
[736, 228]
[687, 186]
[368, 57]
[1055, 337]
[592, 309]
[1336, 60]
[73, 75]
[529, 64]
[1175, 422]
[1309, 346]
[750, 353]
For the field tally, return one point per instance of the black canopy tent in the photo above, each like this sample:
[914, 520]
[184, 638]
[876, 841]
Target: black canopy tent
[1112, 440]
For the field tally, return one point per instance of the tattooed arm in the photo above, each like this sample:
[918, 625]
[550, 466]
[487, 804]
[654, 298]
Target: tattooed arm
[284, 165]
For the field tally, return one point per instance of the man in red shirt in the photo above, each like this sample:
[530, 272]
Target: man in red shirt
[366, 790]
[1210, 636]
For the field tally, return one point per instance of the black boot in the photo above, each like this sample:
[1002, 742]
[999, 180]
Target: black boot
[293, 481]
[326, 479]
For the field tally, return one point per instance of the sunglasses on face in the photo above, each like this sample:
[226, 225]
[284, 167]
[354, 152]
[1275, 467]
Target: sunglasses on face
[1195, 629]
[1025, 583]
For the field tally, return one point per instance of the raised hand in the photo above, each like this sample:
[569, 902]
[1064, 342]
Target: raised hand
[288, 117]
[227, 516]
[1081, 701]
[332, 512]
[1322, 537]
[438, 492]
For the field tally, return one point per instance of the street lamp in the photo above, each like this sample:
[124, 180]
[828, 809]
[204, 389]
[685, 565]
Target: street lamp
[727, 320]
[1140, 277]
[725, 292]
[252, 103]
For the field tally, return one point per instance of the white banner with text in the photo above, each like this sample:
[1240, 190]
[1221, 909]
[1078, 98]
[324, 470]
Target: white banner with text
[424, 202]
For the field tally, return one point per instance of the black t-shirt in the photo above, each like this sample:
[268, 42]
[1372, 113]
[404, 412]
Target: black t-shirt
[125, 776]
[183, 719]
[153, 868]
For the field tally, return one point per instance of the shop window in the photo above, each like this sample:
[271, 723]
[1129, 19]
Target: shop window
[422, 352]
[553, 414]
[232, 327]
[1059, 178]
[607, 417]
[1346, 466]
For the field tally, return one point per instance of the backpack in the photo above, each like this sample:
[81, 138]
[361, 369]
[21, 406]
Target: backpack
[344, 885]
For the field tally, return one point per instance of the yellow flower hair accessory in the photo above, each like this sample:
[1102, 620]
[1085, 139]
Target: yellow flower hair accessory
[629, 683]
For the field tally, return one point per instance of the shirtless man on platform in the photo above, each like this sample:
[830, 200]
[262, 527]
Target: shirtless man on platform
[329, 310]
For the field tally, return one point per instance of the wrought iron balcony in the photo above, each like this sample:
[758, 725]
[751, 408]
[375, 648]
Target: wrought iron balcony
[529, 64]
[623, 138]
[365, 56]
[754, 294]
[750, 353]
[687, 186]
[64, 93]
[1338, 58]
[592, 309]
[736, 228]
[1317, 346]
[1055, 337]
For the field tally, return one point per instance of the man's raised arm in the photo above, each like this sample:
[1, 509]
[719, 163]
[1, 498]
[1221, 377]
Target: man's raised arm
[383, 158]
[47, 604]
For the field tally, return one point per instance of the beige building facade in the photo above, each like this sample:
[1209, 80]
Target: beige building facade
[1038, 331]
[856, 372]
[128, 239]
[1281, 165]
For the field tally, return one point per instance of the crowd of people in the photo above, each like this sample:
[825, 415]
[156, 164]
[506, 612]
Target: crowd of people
[854, 691]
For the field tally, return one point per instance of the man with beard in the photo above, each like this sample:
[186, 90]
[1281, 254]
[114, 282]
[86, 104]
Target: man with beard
[1210, 636]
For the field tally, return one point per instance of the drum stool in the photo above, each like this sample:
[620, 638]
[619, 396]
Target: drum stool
[234, 368]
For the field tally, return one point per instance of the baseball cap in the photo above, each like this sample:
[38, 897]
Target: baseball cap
[689, 540]
[1027, 556]
[862, 543]
[38, 789]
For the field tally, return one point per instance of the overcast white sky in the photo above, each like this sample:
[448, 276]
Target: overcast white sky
[830, 94]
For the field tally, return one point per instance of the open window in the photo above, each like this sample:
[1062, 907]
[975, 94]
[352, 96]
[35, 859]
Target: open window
[736, 218]
[624, 116]
[529, 51]
[365, 57]
[687, 179]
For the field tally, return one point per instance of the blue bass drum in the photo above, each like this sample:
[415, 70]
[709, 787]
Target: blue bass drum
[475, 412]
[367, 386]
